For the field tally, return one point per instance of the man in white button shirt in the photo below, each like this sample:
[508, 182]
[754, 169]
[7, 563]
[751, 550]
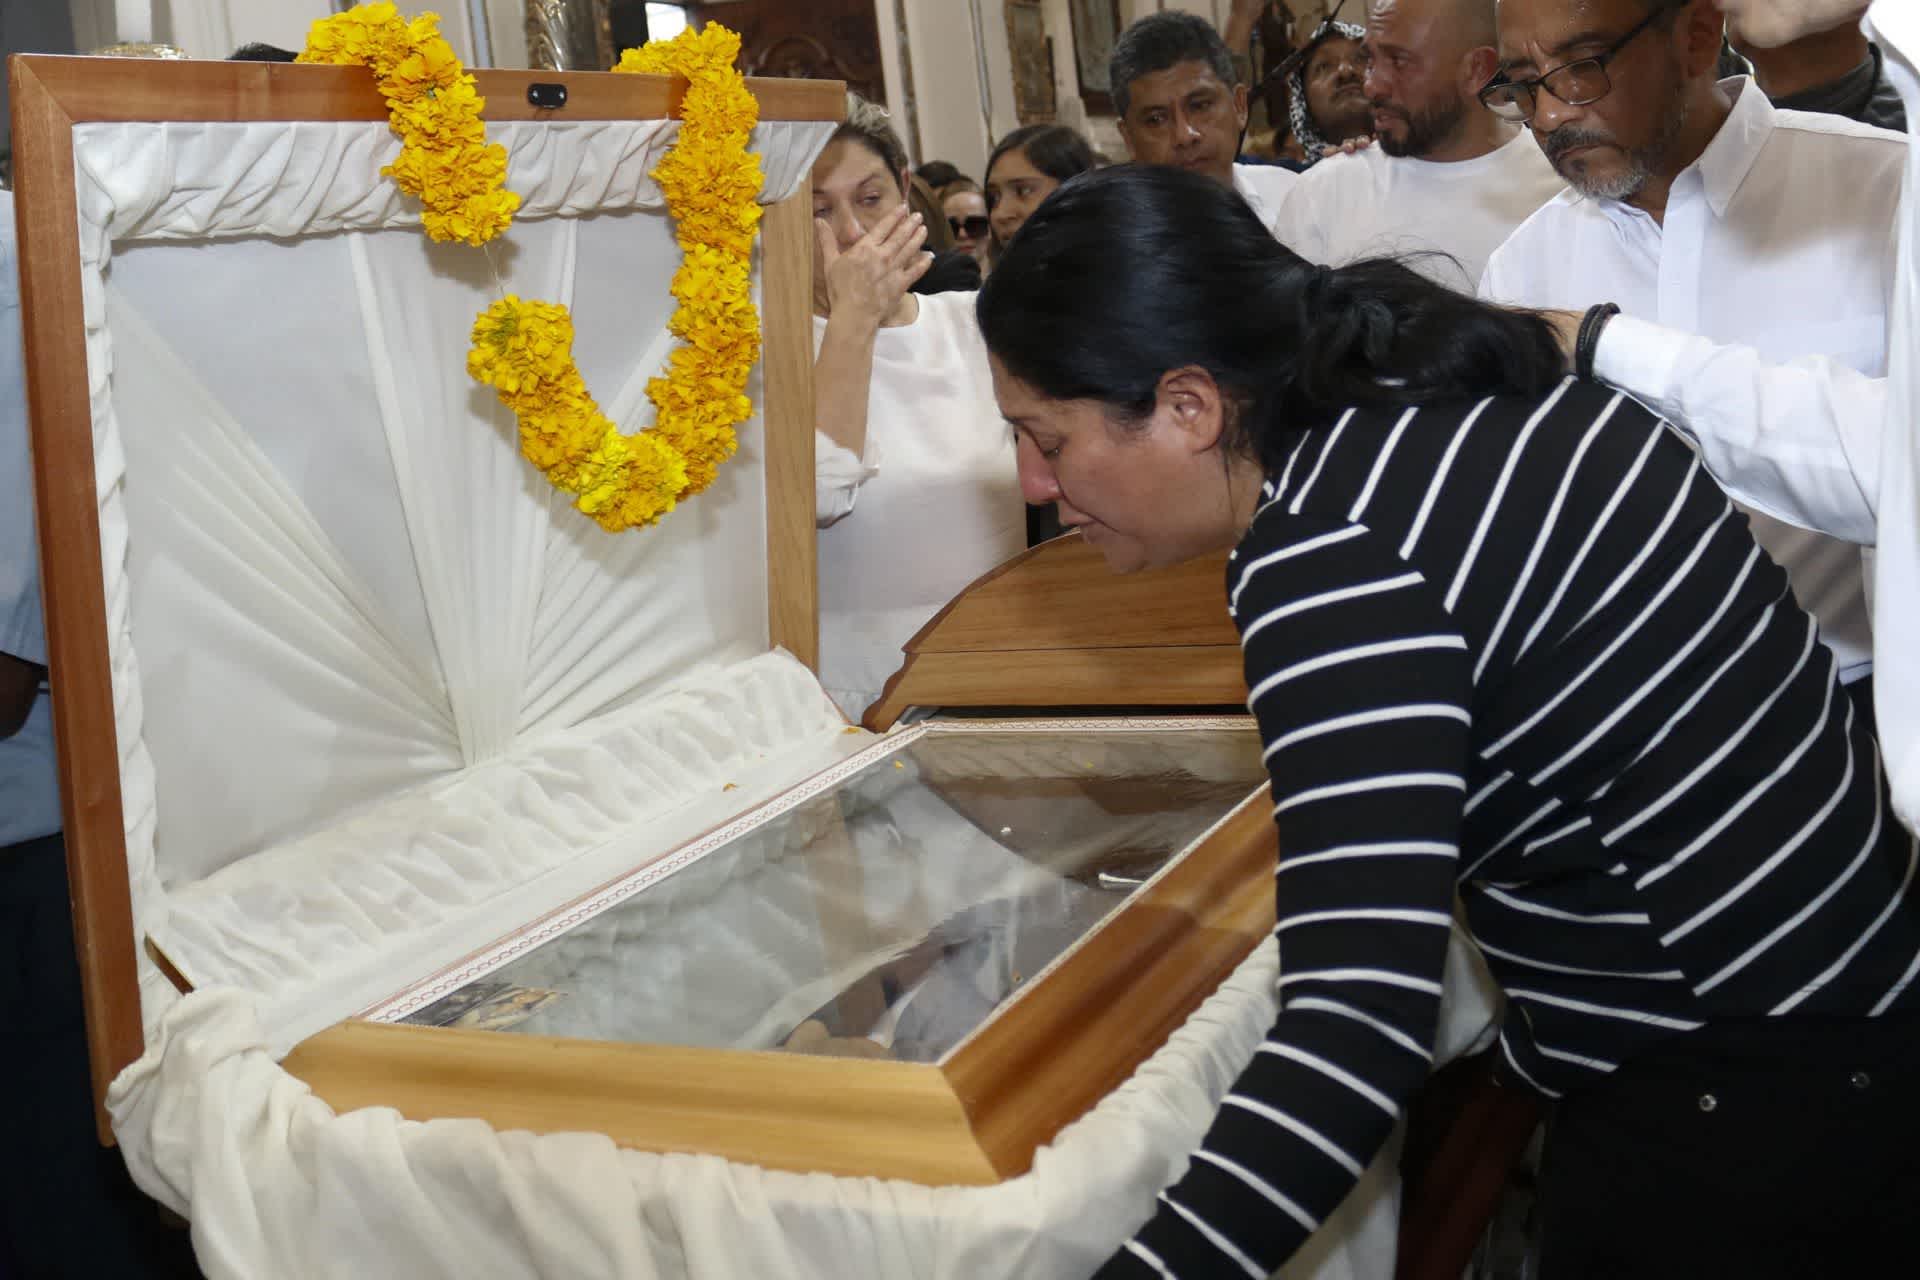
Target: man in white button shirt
[1813, 441]
[1695, 204]
[1445, 176]
[1175, 93]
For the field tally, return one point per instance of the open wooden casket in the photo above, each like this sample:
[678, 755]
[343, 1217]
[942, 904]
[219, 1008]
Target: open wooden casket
[479, 816]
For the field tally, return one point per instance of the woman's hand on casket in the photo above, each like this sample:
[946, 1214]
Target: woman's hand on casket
[812, 1036]
[866, 283]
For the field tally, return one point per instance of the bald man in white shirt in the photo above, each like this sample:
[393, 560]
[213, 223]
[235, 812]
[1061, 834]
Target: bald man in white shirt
[1812, 441]
[1696, 205]
[1447, 180]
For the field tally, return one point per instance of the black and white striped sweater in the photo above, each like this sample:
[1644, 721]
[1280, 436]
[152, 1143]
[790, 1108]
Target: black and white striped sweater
[1526, 651]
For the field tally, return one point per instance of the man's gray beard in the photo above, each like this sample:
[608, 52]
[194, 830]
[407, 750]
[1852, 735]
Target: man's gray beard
[1642, 162]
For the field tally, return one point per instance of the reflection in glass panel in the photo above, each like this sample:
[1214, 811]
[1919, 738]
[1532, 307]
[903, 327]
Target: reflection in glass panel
[889, 916]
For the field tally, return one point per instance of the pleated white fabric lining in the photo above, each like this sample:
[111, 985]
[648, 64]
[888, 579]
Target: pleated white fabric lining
[371, 673]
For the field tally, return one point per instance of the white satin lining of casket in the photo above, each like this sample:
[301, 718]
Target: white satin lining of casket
[277, 1184]
[329, 923]
[198, 184]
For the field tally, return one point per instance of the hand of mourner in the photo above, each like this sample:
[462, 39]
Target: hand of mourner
[866, 282]
[1768, 24]
[1566, 331]
[1351, 145]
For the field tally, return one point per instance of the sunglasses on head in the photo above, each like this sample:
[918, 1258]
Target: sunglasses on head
[974, 227]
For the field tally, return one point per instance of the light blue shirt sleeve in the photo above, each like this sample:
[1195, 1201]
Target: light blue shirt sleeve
[22, 630]
[29, 782]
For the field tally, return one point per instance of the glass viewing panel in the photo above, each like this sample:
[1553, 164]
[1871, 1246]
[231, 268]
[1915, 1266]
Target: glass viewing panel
[890, 912]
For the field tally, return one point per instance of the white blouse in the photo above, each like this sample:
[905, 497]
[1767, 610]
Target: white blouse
[932, 504]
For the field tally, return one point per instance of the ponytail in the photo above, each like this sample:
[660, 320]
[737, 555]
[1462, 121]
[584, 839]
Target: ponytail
[1129, 272]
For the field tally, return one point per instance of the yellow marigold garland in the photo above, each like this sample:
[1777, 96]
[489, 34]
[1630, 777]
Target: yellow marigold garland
[712, 183]
[524, 349]
[445, 159]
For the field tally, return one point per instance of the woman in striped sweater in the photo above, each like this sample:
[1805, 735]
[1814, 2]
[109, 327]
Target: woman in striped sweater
[1504, 638]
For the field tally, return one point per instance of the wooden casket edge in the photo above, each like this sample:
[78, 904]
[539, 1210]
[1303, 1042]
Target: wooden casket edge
[787, 1111]
[982, 648]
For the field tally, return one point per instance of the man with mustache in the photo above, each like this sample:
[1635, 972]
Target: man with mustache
[1446, 180]
[1179, 103]
[1815, 441]
[1327, 93]
[1695, 204]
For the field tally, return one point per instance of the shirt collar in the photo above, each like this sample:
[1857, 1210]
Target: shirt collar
[1729, 157]
[1897, 25]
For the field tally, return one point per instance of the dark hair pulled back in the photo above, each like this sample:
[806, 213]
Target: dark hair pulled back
[1053, 149]
[1125, 274]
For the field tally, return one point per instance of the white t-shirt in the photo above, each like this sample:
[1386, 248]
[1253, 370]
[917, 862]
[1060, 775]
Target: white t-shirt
[1265, 187]
[933, 504]
[1370, 204]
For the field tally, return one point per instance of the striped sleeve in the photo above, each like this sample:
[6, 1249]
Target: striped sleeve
[1361, 685]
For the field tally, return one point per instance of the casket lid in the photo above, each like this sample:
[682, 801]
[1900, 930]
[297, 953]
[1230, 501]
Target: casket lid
[55, 97]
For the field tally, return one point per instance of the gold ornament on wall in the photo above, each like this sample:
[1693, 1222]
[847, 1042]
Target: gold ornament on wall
[1034, 98]
[569, 35]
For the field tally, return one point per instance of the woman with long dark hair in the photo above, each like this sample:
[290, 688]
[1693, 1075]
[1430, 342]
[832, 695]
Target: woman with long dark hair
[1503, 638]
[1026, 167]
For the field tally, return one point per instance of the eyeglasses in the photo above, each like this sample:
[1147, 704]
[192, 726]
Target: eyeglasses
[1574, 83]
[974, 227]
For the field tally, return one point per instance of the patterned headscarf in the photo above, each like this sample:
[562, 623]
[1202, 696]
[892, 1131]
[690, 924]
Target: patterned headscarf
[1312, 145]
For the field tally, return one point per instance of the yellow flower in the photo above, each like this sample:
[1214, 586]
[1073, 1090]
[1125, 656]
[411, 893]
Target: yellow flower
[433, 105]
[524, 349]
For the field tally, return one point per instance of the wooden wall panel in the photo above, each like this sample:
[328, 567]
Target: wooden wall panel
[805, 39]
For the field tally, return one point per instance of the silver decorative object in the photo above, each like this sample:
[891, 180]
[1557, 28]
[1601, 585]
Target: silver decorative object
[141, 49]
[569, 35]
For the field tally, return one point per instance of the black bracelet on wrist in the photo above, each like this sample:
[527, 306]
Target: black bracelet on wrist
[1587, 342]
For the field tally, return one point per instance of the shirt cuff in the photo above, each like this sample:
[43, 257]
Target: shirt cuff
[834, 462]
[838, 475]
[1639, 358]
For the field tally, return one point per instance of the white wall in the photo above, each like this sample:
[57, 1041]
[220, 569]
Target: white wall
[954, 120]
[214, 28]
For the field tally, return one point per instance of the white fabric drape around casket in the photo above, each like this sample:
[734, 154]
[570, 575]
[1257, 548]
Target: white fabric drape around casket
[277, 1185]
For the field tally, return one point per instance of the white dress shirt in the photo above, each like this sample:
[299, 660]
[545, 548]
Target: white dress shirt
[1780, 237]
[1817, 443]
[1265, 187]
[932, 504]
[1370, 204]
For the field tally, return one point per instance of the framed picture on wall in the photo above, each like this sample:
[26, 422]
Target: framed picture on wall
[1034, 100]
[1096, 25]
